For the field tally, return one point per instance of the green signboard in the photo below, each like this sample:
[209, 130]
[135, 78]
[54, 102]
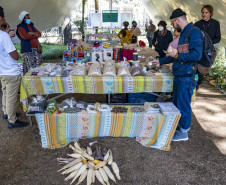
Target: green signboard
[110, 15]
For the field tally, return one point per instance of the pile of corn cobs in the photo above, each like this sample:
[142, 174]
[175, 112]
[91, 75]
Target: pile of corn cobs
[86, 163]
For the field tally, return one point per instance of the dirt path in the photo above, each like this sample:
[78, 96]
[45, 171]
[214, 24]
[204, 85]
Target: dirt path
[200, 160]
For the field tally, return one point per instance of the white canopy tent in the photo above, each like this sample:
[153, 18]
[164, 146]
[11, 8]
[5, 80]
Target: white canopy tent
[49, 13]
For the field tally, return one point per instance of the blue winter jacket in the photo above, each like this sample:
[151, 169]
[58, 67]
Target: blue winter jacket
[184, 65]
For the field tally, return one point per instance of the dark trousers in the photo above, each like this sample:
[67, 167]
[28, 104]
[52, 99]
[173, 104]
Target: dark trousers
[201, 78]
[150, 41]
[183, 88]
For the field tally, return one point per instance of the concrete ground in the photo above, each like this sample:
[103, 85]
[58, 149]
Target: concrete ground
[200, 160]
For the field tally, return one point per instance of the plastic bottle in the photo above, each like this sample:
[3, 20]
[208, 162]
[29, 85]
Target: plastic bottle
[150, 58]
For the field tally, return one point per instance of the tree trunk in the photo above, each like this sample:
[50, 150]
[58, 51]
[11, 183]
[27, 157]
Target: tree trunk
[67, 33]
[83, 21]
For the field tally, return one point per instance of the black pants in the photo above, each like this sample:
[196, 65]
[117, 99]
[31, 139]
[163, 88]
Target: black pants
[201, 78]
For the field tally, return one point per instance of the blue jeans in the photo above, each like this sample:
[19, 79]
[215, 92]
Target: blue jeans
[182, 93]
[150, 41]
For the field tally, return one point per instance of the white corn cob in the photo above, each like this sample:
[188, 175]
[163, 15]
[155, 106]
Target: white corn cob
[91, 164]
[90, 176]
[89, 150]
[77, 146]
[99, 177]
[104, 176]
[108, 172]
[87, 156]
[73, 168]
[70, 164]
[72, 175]
[100, 165]
[82, 177]
[116, 170]
[80, 171]
[110, 158]
[107, 155]
[93, 177]
[75, 155]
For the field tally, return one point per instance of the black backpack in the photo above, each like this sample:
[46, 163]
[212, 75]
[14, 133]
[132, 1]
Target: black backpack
[208, 55]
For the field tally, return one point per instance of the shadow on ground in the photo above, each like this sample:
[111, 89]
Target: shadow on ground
[197, 161]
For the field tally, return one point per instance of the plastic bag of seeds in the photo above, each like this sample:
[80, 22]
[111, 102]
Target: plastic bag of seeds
[123, 71]
[95, 70]
[137, 70]
[109, 71]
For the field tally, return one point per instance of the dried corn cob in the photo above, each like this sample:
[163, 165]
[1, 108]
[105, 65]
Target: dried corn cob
[72, 175]
[87, 156]
[82, 177]
[116, 170]
[109, 173]
[75, 155]
[107, 155]
[100, 165]
[80, 171]
[90, 176]
[104, 176]
[73, 168]
[96, 161]
[110, 158]
[89, 150]
[99, 177]
[84, 161]
[77, 146]
[90, 164]
[71, 164]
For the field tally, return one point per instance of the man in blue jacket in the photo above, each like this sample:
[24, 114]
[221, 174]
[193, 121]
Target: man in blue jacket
[184, 69]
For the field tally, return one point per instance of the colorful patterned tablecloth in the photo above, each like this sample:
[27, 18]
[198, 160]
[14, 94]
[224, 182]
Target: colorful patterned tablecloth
[150, 129]
[33, 85]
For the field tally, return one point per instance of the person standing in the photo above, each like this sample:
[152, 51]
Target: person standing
[150, 32]
[135, 32]
[125, 35]
[162, 38]
[30, 46]
[210, 26]
[184, 69]
[10, 77]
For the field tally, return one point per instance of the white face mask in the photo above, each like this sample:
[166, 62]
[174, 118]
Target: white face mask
[160, 28]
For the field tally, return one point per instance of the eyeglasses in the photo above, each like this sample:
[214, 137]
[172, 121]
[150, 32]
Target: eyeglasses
[173, 21]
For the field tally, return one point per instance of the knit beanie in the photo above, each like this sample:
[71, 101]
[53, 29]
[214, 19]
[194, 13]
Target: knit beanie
[22, 15]
[177, 13]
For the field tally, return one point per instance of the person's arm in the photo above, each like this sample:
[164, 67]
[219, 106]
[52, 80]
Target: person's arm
[25, 35]
[165, 60]
[9, 47]
[195, 47]
[119, 34]
[14, 54]
[38, 32]
[217, 37]
[137, 32]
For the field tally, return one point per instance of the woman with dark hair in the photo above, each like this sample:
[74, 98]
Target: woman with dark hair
[30, 46]
[125, 34]
[162, 38]
[135, 32]
[210, 26]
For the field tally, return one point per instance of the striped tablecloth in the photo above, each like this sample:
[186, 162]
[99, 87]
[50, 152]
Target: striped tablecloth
[151, 130]
[33, 85]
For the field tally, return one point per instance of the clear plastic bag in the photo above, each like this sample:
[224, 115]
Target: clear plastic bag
[137, 70]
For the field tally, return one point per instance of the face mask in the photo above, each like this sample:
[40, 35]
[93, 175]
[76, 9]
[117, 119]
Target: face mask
[28, 21]
[160, 28]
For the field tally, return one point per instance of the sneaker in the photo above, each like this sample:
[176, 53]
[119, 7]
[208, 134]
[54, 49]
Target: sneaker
[5, 116]
[180, 136]
[17, 124]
